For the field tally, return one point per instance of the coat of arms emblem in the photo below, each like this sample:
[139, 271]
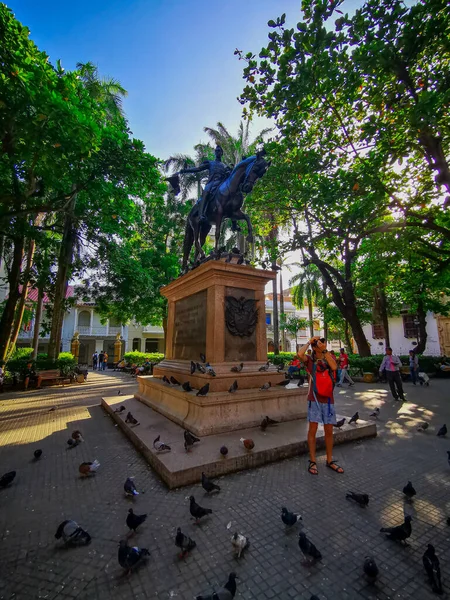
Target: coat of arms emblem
[241, 315]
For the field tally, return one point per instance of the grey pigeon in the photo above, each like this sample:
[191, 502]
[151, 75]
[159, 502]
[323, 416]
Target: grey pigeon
[133, 521]
[442, 431]
[431, 564]
[227, 592]
[289, 518]
[264, 367]
[184, 542]
[174, 381]
[223, 450]
[208, 485]
[370, 568]
[266, 422]
[120, 409]
[160, 446]
[266, 386]
[189, 440]
[198, 511]
[130, 488]
[340, 423]
[309, 551]
[237, 369]
[186, 386]
[119, 393]
[361, 499]
[130, 419]
[129, 556]
[400, 533]
[423, 426]
[193, 367]
[210, 370]
[203, 391]
[200, 368]
[409, 490]
[7, 479]
[280, 367]
[354, 419]
[375, 413]
[233, 387]
[240, 543]
[72, 533]
[165, 380]
[37, 454]
[202, 357]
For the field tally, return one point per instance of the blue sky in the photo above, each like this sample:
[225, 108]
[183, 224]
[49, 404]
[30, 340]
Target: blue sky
[174, 57]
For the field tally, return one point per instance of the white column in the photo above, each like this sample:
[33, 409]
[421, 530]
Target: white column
[107, 327]
[91, 321]
[75, 323]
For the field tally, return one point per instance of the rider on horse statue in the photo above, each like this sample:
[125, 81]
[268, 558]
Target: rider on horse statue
[218, 172]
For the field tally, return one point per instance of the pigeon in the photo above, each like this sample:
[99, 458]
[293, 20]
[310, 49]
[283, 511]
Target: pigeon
[189, 440]
[165, 380]
[264, 367]
[210, 370]
[409, 490]
[129, 556]
[120, 409]
[442, 431]
[130, 419]
[119, 393]
[400, 533]
[160, 446]
[266, 386]
[200, 368]
[37, 454]
[202, 358]
[361, 499]
[208, 485]
[280, 367]
[233, 387]
[186, 386]
[423, 426]
[174, 381]
[285, 382]
[130, 488]
[7, 479]
[266, 422]
[237, 369]
[133, 521]
[224, 451]
[72, 443]
[193, 367]
[307, 547]
[370, 568]
[227, 592]
[203, 390]
[198, 511]
[375, 413]
[354, 419]
[289, 518]
[89, 468]
[240, 260]
[340, 423]
[248, 443]
[184, 542]
[72, 533]
[76, 435]
[300, 382]
[431, 564]
[240, 543]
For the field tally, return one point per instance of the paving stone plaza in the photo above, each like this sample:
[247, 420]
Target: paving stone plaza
[34, 565]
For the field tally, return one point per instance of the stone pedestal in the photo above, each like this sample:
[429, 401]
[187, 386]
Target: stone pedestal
[218, 310]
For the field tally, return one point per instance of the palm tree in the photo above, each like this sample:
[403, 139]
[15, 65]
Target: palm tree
[307, 286]
[190, 181]
[107, 89]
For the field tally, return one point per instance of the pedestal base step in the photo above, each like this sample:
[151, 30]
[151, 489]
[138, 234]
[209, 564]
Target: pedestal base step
[178, 468]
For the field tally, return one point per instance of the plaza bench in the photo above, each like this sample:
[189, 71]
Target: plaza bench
[49, 375]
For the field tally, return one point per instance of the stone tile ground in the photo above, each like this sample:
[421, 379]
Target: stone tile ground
[33, 565]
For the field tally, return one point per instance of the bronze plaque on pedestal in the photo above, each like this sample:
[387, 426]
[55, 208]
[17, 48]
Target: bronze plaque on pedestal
[189, 330]
[240, 346]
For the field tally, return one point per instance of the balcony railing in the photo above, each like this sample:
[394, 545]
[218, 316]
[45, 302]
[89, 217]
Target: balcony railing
[28, 335]
[152, 329]
[100, 330]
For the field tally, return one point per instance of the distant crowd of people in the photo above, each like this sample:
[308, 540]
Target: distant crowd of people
[100, 360]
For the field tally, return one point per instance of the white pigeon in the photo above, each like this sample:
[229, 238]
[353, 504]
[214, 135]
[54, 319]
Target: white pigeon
[240, 543]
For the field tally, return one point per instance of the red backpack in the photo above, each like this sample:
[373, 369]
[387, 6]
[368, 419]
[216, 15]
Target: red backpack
[323, 383]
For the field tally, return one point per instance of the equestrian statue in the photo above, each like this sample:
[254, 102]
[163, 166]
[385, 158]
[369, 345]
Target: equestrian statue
[222, 198]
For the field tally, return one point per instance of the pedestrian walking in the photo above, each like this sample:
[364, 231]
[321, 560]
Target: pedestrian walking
[391, 364]
[94, 360]
[413, 366]
[101, 358]
[344, 365]
[105, 360]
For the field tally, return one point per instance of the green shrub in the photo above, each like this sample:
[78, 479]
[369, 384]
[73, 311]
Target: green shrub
[66, 362]
[22, 357]
[139, 358]
[285, 357]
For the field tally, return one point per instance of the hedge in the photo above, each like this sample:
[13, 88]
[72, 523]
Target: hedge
[139, 358]
[22, 357]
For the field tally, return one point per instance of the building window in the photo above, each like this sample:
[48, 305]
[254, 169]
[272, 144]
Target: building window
[378, 331]
[268, 319]
[316, 326]
[136, 344]
[409, 326]
[302, 333]
[151, 345]
[84, 318]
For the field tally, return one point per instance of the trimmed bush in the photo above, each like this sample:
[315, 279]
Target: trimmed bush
[139, 358]
[22, 357]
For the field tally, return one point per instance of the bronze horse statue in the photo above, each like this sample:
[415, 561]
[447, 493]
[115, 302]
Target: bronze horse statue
[226, 203]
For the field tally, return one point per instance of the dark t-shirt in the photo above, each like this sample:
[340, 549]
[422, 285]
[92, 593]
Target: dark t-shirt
[321, 364]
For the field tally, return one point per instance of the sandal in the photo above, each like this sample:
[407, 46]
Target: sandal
[335, 467]
[312, 468]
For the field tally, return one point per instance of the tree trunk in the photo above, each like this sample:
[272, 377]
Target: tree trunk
[423, 335]
[276, 328]
[384, 315]
[311, 319]
[325, 324]
[283, 331]
[348, 341]
[37, 322]
[7, 319]
[64, 265]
